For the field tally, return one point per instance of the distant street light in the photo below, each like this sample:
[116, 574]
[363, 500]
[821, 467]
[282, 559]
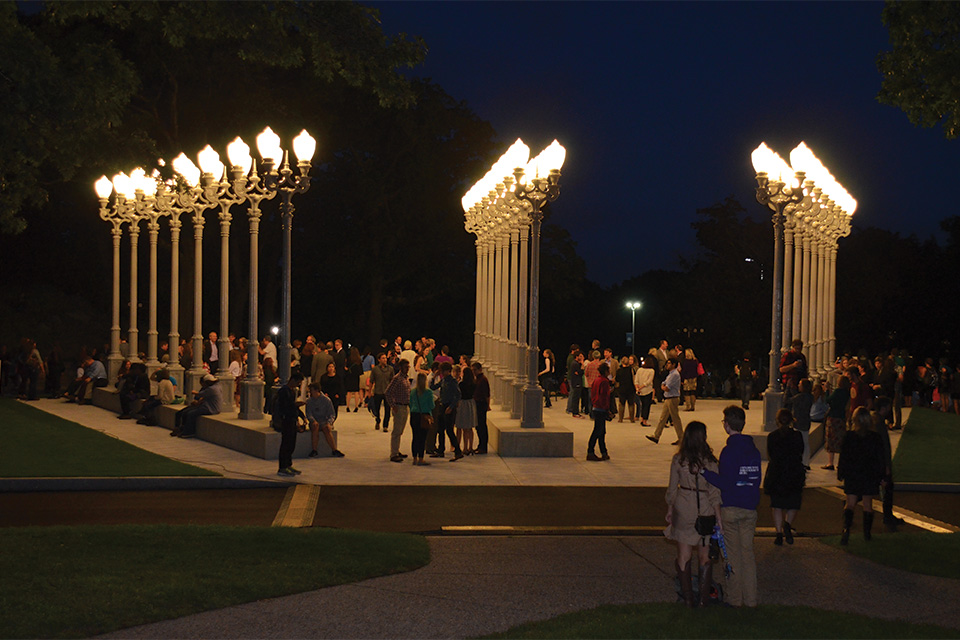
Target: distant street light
[633, 306]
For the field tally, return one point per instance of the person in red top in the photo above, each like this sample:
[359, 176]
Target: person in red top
[600, 403]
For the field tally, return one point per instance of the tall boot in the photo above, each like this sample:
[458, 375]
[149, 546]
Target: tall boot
[706, 583]
[686, 584]
[867, 525]
[847, 523]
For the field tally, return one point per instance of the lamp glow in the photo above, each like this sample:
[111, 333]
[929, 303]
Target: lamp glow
[268, 144]
[185, 167]
[238, 152]
[304, 146]
[210, 162]
[124, 185]
[103, 187]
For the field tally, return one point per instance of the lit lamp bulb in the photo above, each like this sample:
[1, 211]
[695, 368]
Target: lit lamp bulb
[124, 186]
[103, 187]
[185, 167]
[210, 162]
[304, 146]
[238, 153]
[268, 144]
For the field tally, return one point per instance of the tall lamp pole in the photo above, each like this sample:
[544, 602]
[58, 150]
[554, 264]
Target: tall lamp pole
[633, 306]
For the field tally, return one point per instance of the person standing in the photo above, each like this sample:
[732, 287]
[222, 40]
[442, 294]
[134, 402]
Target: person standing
[793, 368]
[688, 500]
[861, 468]
[883, 418]
[836, 420]
[745, 372]
[785, 474]
[481, 395]
[738, 478]
[600, 403]
[575, 381]
[398, 397]
[449, 399]
[643, 382]
[466, 419]
[211, 354]
[286, 412]
[421, 411]
[671, 403]
[625, 389]
[380, 375]
[801, 406]
[689, 373]
[548, 377]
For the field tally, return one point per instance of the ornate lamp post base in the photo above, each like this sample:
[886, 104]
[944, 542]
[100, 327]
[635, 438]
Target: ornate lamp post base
[114, 360]
[192, 382]
[532, 408]
[772, 402]
[251, 399]
[176, 372]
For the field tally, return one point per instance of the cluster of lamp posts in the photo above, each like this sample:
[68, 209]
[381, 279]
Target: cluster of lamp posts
[811, 211]
[504, 209]
[139, 197]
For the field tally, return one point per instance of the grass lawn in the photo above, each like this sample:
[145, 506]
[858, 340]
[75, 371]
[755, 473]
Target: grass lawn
[37, 444]
[932, 554]
[670, 620]
[82, 581]
[928, 448]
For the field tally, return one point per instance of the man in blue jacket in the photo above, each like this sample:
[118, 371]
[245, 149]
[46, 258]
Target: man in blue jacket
[739, 483]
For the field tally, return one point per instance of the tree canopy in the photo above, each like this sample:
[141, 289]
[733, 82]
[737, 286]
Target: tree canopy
[148, 79]
[920, 71]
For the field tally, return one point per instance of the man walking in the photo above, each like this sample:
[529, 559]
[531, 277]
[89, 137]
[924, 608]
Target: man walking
[380, 376]
[671, 402]
[739, 482]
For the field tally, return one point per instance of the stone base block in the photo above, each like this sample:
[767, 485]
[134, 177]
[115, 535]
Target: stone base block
[253, 437]
[513, 441]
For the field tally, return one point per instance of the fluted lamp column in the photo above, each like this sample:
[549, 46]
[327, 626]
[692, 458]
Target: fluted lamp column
[103, 188]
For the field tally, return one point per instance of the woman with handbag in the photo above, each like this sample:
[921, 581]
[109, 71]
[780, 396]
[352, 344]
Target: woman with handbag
[693, 509]
[421, 418]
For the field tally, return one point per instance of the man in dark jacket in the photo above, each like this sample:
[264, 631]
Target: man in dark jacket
[482, 397]
[739, 483]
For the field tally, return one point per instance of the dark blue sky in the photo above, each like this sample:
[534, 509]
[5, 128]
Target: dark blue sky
[660, 104]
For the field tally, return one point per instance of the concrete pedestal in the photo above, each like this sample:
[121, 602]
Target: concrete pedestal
[513, 441]
[251, 399]
[772, 402]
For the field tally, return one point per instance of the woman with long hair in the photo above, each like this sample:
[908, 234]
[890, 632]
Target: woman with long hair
[548, 377]
[688, 499]
[643, 383]
[352, 379]
[332, 386]
[466, 420]
[836, 420]
[421, 408]
[785, 474]
[689, 374]
[861, 467]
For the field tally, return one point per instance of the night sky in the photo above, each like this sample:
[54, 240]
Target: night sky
[660, 104]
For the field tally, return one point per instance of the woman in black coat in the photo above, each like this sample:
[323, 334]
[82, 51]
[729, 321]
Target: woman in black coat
[861, 467]
[785, 475]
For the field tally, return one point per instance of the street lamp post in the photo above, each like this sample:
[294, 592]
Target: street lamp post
[104, 187]
[283, 180]
[633, 306]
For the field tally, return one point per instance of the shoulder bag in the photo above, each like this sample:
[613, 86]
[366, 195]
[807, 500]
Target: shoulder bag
[704, 524]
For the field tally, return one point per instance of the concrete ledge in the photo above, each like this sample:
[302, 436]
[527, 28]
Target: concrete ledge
[138, 483]
[513, 441]
[253, 437]
[108, 398]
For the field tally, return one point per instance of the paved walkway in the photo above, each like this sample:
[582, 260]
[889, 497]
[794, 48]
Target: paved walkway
[635, 461]
[477, 586]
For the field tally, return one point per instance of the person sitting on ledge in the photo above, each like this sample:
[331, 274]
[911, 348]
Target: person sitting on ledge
[94, 375]
[166, 393]
[135, 386]
[208, 402]
[321, 416]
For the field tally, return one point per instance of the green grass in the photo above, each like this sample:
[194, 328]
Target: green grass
[81, 581]
[928, 448]
[932, 554]
[669, 620]
[37, 444]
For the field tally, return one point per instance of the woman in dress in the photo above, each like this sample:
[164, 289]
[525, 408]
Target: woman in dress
[689, 497]
[548, 377]
[836, 419]
[351, 381]
[861, 467]
[689, 372]
[466, 420]
[643, 383]
[785, 475]
[625, 389]
[332, 386]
